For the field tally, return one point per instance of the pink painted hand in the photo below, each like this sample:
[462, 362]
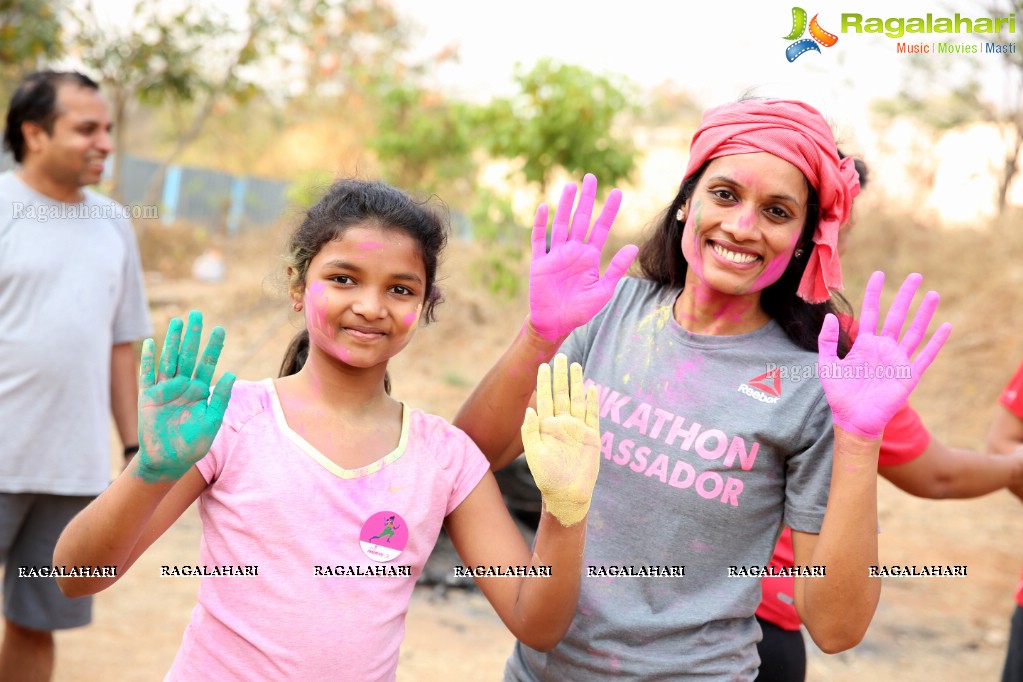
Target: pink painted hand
[565, 286]
[867, 387]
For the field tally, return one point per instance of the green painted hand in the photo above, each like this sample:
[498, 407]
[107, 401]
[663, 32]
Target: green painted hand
[562, 440]
[178, 419]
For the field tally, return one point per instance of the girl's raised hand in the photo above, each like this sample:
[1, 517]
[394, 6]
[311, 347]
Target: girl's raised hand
[867, 387]
[565, 286]
[562, 440]
[178, 419]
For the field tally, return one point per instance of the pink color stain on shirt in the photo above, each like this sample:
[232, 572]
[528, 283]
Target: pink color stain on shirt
[699, 547]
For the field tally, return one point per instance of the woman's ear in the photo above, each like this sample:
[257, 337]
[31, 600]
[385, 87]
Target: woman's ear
[295, 291]
[682, 214]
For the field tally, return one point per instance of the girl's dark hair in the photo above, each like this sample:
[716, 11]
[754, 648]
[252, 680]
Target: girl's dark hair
[349, 203]
[296, 354]
[661, 260]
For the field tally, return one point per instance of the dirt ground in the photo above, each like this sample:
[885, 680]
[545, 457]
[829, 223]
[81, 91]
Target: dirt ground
[926, 629]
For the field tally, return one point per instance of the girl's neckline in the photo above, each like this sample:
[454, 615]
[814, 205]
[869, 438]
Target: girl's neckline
[323, 460]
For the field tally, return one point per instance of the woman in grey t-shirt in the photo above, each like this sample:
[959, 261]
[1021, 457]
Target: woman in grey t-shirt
[724, 403]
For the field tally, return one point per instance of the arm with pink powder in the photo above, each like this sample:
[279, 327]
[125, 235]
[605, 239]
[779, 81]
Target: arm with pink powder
[565, 291]
[864, 389]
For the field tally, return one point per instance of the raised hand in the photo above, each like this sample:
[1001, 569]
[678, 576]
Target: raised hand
[867, 387]
[178, 419]
[562, 440]
[565, 286]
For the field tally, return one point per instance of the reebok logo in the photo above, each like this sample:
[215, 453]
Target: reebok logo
[766, 387]
[761, 382]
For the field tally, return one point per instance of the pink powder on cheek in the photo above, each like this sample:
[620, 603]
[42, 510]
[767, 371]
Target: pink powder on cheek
[691, 240]
[412, 319]
[316, 313]
[774, 270]
[316, 319]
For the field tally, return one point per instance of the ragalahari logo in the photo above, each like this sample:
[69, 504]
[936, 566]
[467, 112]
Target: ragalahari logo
[817, 35]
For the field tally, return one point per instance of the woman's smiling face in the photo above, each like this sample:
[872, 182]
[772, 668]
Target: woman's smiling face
[743, 222]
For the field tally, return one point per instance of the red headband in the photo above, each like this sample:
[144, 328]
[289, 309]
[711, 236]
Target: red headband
[796, 132]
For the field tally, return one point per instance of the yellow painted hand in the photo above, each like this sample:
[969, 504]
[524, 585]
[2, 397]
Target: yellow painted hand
[562, 440]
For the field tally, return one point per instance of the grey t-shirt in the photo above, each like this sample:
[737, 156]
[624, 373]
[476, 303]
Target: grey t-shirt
[70, 288]
[703, 458]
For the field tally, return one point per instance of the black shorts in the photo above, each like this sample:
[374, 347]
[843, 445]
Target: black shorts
[1013, 671]
[782, 654]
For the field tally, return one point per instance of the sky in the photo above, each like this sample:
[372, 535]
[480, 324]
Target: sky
[714, 50]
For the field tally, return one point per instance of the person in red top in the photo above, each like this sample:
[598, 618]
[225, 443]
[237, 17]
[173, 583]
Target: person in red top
[922, 466]
[1006, 436]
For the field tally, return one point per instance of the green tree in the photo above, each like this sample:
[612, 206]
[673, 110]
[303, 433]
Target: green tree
[157, 56]
[29, 37]
[563, 118]
[193, 57]
[424, 142]
[356, 46]
[29, 32]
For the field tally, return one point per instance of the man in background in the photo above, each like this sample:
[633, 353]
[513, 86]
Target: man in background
[72, 303]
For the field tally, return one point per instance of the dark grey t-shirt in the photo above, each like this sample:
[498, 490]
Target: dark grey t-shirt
[703, 458]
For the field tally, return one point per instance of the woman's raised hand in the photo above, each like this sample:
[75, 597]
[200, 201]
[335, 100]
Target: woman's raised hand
[178, 419]
[867, 387]
[565, 286]
[562, 440]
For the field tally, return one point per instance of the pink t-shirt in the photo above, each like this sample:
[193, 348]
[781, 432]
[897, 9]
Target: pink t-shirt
[311, 530]
[904, 439]
[1012, 399]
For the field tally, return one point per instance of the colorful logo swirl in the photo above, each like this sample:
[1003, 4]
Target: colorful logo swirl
[817, 35]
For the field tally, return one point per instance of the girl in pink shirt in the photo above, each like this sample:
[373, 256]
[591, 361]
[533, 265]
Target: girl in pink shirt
[321, 495]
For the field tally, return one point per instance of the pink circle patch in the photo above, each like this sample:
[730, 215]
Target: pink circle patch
[384, 536]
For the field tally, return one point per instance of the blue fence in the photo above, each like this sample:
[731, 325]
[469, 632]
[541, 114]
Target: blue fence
[200, 195]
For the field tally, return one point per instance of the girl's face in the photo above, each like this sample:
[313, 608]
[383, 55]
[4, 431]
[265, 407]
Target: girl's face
[364, 294]
[743, 222]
